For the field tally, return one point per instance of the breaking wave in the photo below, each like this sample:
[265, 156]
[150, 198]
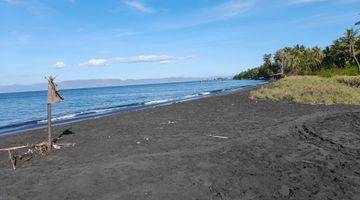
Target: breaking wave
[104, 111]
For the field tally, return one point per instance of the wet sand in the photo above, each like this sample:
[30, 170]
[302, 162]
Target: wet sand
[267, 150]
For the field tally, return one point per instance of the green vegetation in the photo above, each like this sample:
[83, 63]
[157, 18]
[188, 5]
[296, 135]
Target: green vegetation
[312, 75]
[341, 58]
[313, 90]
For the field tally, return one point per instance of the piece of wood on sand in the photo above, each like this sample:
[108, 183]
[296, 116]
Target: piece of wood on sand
[10, 155]
[67, 144]
[11, 160]
[218, 136]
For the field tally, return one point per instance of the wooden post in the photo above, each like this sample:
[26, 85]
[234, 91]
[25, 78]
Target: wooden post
[53, 97]
[49, 126]
[12, 161]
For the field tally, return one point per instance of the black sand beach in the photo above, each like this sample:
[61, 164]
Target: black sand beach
[273, 150]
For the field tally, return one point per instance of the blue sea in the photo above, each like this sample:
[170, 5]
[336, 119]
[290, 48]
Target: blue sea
[27, 110]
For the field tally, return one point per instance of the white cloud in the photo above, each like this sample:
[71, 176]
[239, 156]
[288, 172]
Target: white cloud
[33, 7]
[229, 9]
[219, 12]
[93, 63]
[137, 5]
[161, 59]
[165, 62]
[60, 64]
[186, 58]
[143, 58]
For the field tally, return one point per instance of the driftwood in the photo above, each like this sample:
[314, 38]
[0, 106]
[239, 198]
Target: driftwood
[67, 144]
[41, 148]
[14, 148]
[217, 136]
[10, 155]
[38, 147]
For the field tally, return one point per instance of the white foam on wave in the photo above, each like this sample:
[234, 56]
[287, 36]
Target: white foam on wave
[101, 110]
[107, 110]
[205, 93]
[157, 101]
[196, 95]
[64, 117]
[191, 96]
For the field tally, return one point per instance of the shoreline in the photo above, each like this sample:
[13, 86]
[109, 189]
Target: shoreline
[265, 150]
[21, 127]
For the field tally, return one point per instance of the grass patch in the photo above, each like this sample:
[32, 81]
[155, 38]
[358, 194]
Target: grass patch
[313, 90]
[350, 81]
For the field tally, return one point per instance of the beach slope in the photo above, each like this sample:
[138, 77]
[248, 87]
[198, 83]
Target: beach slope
[219, 147]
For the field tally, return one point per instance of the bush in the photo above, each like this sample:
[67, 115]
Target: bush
[330, 72]
[351, 70]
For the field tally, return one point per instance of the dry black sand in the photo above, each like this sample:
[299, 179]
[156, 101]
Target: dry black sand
[274, 150]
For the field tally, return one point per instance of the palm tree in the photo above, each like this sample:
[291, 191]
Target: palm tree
[351, 38]
[283, 60]
[280, 60]
[314, 57]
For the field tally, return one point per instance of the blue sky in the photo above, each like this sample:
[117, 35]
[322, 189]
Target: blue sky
[134, 39]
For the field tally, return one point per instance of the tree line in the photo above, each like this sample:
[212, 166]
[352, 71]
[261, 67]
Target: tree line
[342, 57]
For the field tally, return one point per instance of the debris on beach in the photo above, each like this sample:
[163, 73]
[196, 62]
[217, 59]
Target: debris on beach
[66, 132]
[145, 139]
[66, 145]
[41, 149]
[168, 123]
[217, 136]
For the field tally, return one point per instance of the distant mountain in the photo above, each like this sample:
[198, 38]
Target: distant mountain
[75, 84]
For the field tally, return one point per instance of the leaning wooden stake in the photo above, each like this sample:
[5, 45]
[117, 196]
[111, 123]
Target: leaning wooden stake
[12, 160]
[10, 155]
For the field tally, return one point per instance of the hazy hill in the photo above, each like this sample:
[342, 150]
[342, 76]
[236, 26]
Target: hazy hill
[92, 83]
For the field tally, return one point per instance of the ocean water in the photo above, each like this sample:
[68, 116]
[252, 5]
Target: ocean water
[27, 110]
